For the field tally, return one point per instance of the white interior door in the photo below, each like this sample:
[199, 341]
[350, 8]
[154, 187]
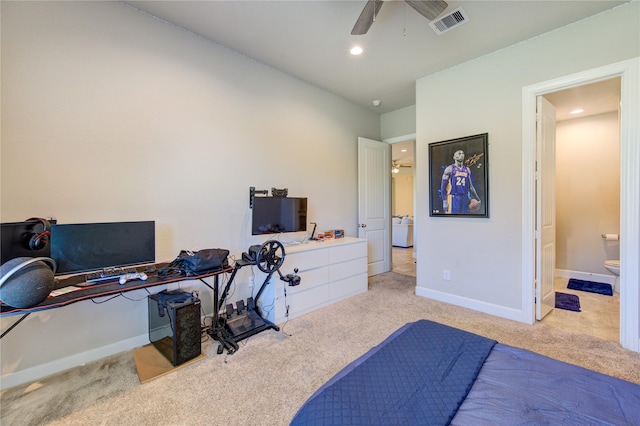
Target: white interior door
[374, 202]
[545, 208]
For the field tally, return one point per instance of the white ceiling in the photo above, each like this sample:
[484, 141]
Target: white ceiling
[594, 98]
[402, 153]
[311, 39]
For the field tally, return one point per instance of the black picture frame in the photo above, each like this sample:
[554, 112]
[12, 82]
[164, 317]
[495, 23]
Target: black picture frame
[475, 166]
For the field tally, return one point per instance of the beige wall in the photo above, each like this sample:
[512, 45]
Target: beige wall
[109, 115]
[587, 192]
[484, 256]
[402, 194]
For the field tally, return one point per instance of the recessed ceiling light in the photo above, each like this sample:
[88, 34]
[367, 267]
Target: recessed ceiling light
[577, 111]
[403, 150]
[356, 50]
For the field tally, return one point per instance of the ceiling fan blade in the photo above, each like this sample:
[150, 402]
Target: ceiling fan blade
[367, 16]
[428, 9]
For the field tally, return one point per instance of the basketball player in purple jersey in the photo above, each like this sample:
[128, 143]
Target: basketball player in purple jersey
[456, 186]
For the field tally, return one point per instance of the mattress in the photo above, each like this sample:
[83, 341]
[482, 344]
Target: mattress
[431, 374]
[517, 386]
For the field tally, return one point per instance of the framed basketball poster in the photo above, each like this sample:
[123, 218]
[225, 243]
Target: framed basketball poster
[458, 171]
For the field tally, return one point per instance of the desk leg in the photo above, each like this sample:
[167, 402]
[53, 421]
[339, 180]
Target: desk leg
[14, 324]
[216, 320]
[217, 330]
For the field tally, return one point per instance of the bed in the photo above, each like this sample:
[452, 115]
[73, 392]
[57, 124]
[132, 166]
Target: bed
[427, 373]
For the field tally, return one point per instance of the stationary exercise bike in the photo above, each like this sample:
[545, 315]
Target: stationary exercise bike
[245, 320]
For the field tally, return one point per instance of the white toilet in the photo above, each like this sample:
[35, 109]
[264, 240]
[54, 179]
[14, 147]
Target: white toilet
[613, 266]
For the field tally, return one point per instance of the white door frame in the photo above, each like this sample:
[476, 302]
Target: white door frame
[407, 138]
[629, 72]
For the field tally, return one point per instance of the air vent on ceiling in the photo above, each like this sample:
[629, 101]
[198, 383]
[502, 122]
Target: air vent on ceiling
[455, 18]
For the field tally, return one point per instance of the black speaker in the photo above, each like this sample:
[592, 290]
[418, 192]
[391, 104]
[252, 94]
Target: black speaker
[174, 325]
[26, 281]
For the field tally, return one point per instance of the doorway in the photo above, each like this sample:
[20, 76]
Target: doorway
[629, 72]
[587, 158]
[403, 205]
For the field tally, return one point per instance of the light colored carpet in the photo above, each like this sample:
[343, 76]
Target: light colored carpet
[273, 373]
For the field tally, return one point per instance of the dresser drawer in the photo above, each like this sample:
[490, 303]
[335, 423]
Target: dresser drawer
[305, 260]
[346, 269]
[348, 287]
[347, 252]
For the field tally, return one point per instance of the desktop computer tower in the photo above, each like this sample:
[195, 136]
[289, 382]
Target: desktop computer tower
[174, 325]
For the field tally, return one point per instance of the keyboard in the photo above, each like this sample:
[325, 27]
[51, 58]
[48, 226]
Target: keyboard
[106, 275]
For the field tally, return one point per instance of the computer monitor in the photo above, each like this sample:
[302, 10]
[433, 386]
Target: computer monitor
[273, 215]
[85, 247]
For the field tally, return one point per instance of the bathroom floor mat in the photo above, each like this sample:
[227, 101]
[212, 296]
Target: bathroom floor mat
[569, 302]
[590, 286]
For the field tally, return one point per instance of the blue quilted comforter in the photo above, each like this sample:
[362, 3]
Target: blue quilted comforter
[418, 375]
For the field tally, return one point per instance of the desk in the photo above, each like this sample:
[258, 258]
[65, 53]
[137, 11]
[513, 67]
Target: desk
[101, 290]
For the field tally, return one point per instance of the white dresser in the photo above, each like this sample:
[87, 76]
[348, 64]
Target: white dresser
[330, 271]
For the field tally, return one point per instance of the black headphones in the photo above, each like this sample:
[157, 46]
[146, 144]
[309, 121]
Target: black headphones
[37, 240]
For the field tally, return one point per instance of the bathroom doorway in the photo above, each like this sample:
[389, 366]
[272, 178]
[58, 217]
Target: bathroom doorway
[587, 201]
[629, 71]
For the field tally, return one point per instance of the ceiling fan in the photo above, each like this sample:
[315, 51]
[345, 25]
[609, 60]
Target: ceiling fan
[430, 9]
[395, 167]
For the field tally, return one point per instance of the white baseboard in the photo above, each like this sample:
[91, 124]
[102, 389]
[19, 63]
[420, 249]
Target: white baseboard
[586, 276]
[43, 370]
[488, 308]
